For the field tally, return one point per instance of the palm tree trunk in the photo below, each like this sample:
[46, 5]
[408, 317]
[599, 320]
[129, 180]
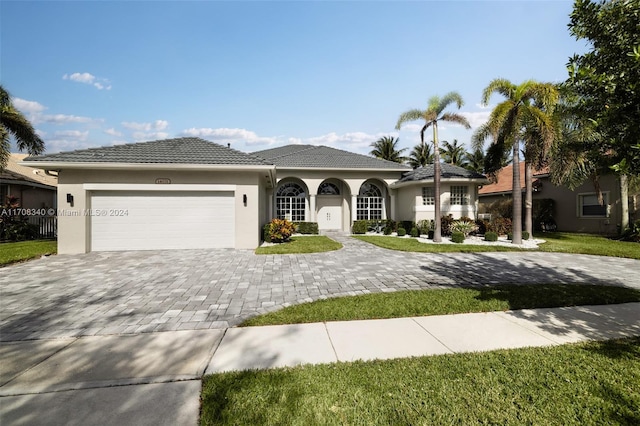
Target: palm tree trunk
[624, 202]
[528, 199]
[516, 231]
[437, 232]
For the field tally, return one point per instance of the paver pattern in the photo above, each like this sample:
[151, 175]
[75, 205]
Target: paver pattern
[106, 293]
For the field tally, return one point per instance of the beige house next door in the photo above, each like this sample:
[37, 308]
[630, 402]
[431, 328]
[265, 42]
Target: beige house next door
[329, 212]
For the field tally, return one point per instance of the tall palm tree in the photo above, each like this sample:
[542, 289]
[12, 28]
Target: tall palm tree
[432, 115]
[13, 123]
[474, 161]
[524, 116]
[386, 148]
[452, 153]
[420, 155]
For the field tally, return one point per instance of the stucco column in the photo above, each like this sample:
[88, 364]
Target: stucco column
[354, 208]
[270, 207]
[312, 208]
[393, 206]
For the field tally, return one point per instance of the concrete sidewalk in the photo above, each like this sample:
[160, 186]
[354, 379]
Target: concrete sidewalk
[291, 345]
[154, 378]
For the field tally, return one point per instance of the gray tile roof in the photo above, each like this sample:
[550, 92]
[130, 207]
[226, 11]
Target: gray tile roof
[447, 171]
[167, 151]
[313, 156]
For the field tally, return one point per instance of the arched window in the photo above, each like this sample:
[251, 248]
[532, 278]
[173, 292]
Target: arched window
[290, 202]
[328, 188]
[369, 202]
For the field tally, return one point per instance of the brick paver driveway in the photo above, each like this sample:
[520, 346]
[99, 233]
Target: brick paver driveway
[137, 292]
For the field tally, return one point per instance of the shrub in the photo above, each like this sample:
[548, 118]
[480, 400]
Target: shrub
[390, 226]
[280, 230]
[306, 227]
[445, 224]
[509, 236]
[430, 234]
[457, 237]
[402, 232]
[525, 235]
[543, 211]
[482, 226]
[490, 236]
[19, 230]
[501, 208]
[406, 224]
[415, 232]
[424, 226]
[632, 233]
[266, 236]
[500, 225]
[359, 227]
[463, 226]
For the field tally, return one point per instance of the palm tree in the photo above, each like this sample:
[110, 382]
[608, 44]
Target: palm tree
[13, 123]
[524, 116]
[452, 153]
[420, 155]
[386, 148]
[474, 161]
[431, 116]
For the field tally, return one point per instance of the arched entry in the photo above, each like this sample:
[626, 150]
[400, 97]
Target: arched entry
[291, 201]
[329, 205]
[370, 203]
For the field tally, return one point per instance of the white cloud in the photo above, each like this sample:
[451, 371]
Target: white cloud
[113, 132]
[65, 119]
[231, 136]
[351, 141]
[147, 136]
[158, 125]
[31, 107]
[87, 78]
[72, 134]
[477, 119]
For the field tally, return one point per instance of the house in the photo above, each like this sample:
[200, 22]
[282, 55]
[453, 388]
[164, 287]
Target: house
[34, 188]
[191, 193]
[574, 211]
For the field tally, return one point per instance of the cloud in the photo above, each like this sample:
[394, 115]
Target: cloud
[65, 119]
[477, 119]
[72, 134]
[158, 125]
[87, 78]
[113, 132]
[147, 136]
[231, 136]
[30, 107]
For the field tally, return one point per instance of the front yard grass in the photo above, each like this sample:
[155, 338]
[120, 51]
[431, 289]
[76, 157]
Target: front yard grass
[561, 242]
[447, 301]
[25, 250]
[305, 244]
[588, 383]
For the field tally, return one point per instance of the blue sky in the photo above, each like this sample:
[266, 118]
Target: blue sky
[264, 74]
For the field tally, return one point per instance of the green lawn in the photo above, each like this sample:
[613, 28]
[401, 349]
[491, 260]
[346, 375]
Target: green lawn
[579, 384]
[447, 301]
[25, 250]
[305, 244]
[562, 242]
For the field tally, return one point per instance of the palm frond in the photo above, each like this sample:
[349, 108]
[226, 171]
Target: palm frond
[411, 115]
[452, 117]
[498, 85]
[448, 99]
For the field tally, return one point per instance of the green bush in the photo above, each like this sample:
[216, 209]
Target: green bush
[402, 232]
[525, 235]
[390, 226]
[306, 228]
[509, 236]
[424, 226]
[500, 225]
[445, 225]
[407, 224]
[414, 232]
[490, 236]
[19, 230]
[359, 227]
[457, 237]
[265, 233]
[280, 230]
[430, 234]
[466, 227]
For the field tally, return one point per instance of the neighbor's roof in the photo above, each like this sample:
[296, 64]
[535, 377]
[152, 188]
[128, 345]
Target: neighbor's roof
[504, 180]
[167, 151]
[447, 171]
[312, 156]
[21, 174]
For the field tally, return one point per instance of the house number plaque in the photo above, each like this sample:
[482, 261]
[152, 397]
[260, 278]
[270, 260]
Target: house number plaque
[163, 180]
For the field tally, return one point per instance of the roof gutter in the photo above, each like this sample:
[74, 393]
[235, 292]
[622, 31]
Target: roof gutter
[478, 181]
[60, 165]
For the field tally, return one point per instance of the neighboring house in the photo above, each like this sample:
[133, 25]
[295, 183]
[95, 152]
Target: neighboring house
[575, 211]
[191, 193]
[33, 187]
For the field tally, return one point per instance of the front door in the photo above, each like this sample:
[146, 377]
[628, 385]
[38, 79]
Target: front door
[329, 212]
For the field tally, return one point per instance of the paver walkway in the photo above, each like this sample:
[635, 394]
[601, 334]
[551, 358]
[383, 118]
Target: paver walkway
[138, 292]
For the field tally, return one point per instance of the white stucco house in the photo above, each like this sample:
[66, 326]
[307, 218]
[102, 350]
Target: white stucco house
[191, 193]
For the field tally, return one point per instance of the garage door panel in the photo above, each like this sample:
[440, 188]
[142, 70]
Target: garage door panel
[134, 220]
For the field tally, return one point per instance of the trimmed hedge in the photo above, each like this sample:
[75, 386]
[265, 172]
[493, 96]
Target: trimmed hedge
[306, 227]
[414, 232]
[490, 236]
[359, 227]
[457, 237]
[402, 232]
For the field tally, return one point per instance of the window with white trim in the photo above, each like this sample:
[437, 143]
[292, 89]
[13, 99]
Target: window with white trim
[428, 196]
[589, 206]
[369, 202]
[291, 202]
[459, 195]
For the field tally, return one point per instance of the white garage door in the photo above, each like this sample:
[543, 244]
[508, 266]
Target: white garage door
[152, 220]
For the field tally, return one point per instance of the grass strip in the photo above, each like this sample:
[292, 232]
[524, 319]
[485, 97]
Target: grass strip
[25, 250]
[577, 384]
[447, 301]
[564, 242]
[306, 244]
[413, 245]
